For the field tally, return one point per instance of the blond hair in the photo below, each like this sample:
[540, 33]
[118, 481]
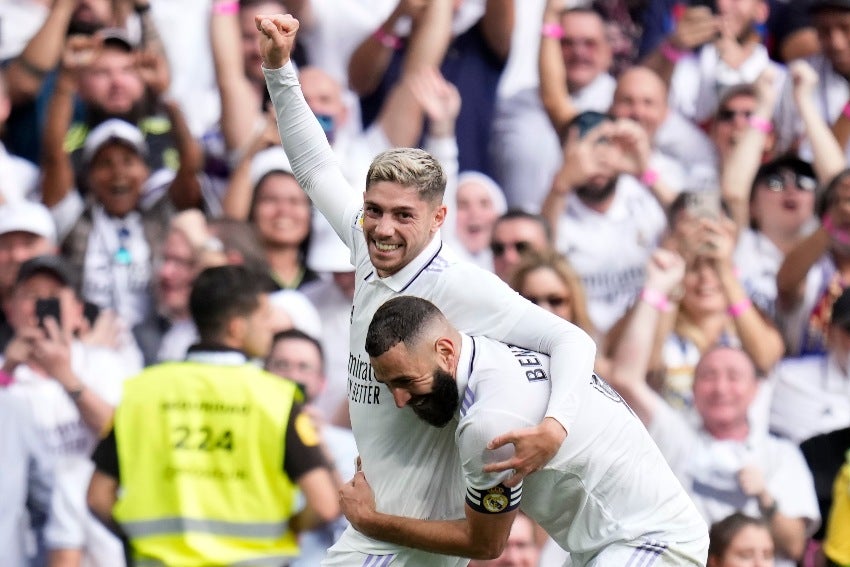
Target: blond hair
[409, 167]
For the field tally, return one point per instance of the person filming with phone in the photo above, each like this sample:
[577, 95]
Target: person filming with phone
[71, 388]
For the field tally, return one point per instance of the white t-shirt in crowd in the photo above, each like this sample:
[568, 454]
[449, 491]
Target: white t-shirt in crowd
[811, 395]
[708, 469]
[608, 485]
[609, 250]
[412, 468]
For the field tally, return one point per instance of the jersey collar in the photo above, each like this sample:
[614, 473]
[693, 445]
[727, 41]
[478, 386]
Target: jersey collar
[465, 361]
[216, 354]
[401, 280]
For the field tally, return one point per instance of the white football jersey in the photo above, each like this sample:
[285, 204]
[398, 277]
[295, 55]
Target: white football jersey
[414, 469]
[608, 483]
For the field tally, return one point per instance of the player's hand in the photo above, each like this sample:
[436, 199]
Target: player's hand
[277, 38]
[533, 448]
[357, 502]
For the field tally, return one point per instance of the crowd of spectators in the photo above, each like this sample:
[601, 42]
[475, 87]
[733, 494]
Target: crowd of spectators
[669, 175]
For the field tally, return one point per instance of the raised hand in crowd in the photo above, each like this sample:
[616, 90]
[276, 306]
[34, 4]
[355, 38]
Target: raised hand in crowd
[697, 27]
[153, 69]
[439, 99]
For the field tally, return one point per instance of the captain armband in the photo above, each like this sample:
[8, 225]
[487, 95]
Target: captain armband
[496, 500]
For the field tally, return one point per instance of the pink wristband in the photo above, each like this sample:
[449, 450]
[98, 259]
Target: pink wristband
[672, 53]
[649, 177]
[656, 299]
[761, 124]
[387, 40]
[225, 8]
[846, 110]
[555, 31]
[6, 378]
[736, 309]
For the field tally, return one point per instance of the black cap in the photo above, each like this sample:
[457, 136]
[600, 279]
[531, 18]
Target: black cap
[791, 163]
[818, 5]
[56, 266]
[841, 310]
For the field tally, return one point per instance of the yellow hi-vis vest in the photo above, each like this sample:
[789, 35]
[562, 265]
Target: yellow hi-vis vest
[200, 452]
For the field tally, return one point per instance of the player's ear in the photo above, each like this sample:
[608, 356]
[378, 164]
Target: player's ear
[439, 216]
[445, 348]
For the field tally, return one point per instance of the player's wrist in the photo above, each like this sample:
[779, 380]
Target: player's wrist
[554, 428]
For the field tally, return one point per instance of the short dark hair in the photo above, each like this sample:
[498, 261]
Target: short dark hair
[722, 533]
[400, 320]
[221, 293]
[296, 334]
[517, 213]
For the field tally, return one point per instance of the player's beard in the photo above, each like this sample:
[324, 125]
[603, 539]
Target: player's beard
[439, 407]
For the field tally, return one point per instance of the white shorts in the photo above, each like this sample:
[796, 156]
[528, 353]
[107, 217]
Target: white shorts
[646, 552]
[341, 554]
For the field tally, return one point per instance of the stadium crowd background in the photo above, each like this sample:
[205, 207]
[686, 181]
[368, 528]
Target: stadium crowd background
[672, 178]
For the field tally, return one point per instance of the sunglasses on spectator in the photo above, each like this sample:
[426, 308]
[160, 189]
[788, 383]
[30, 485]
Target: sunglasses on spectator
[776, 182]
[728, 114]
[553, 301]
[499, 248]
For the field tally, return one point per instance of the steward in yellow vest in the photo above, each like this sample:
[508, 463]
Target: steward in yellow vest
[206, 456]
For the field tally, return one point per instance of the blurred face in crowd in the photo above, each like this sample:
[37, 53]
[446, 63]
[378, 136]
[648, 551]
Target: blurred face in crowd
[641, 96]
[731, 121]
[784, 202]
[703, 292]
[281, 210]
[724, 387]
[324, 97]
[520, 549]
[585, 48]
[112, 83]
[116, 176]
[299, 360]
[20, 305]
[752, 546]
[742, 15]
[15, 249]
[512, 238]
[833, 29]
[345, 282]
[90, 15]
[251, 58]
[545, 287]
[175, 276]
[476, 214]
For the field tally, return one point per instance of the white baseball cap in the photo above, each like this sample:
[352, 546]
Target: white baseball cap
[327, 253]
[268, 161]
[27, 216]
[114, 130]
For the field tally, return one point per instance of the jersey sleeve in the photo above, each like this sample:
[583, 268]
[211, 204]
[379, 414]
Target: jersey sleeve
[303, 445]
[493, 309]
[313, 161]
[105, 456]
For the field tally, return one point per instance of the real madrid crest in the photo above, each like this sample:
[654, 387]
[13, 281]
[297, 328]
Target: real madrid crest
[495, 500]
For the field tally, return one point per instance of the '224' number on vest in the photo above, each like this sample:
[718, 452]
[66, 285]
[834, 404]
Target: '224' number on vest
[201, 439]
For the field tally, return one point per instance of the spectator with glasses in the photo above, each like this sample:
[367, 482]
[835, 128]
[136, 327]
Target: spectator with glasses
[515, 234]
